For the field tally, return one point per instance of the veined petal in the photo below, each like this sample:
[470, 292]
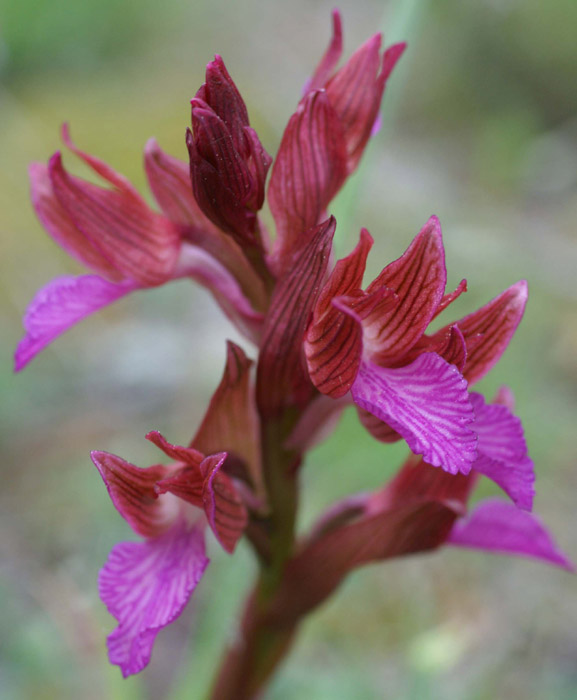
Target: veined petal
[139, 243]
[185, 482]
[418, 278]
[146, 585]
[333, 342]
[281, 377]
[231, 421]
[450, 346]
[132, 492]
[308, 171]
[427, 403]
[330, 57]
[502, 451]
[355, 96]
[225, 511]
[356, 90]
[58, 223]
[59, 305]
[346, 277]
[491, 328]
[502, 528]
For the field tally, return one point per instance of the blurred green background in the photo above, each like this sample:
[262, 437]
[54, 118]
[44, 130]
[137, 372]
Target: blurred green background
[480, 127]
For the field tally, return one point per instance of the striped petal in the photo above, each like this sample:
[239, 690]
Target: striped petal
[308, 171]
[132, 492]
[489, 330]
[57, 222]
[60, 305]
[146, 585]
[139, 243]
[418, 278]
[356, 90]
[231, 422]
[281, 377]
[427, 403]
[503, 451]
[502, 528]
[333, 343]
[225, 511]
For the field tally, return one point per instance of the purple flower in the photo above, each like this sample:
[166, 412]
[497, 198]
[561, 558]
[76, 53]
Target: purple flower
[114, 233]
[146, 585]
[424, 508]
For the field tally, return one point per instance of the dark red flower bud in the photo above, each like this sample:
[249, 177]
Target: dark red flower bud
[228, 164]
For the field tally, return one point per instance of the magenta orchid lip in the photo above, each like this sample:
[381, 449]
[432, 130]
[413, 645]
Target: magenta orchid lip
[324, 340]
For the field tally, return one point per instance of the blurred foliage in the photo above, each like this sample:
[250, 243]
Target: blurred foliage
[480, 128]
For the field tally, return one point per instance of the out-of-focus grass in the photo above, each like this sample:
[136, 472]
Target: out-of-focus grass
[484, 135]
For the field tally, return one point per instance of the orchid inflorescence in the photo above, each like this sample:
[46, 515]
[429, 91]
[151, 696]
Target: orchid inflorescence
[323, 341]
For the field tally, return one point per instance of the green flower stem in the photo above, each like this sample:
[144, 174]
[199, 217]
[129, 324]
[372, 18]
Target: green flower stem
[265, 633]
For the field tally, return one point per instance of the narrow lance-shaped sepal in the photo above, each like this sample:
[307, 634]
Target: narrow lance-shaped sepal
[282, 380]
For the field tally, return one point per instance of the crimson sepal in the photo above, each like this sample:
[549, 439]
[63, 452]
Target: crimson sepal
[231, 420]
[308, 171]
[57, 222]
[281, 377]
[132, 491]
[136, 242]
[333, 343]
[356, 90]
[488, 331]
[228, 164]
[418, 278]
